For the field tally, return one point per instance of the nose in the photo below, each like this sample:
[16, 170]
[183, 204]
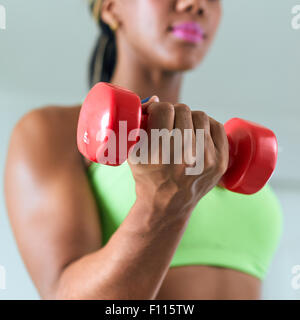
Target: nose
[193, 6]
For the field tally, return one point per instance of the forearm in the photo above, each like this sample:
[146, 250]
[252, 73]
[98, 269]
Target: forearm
[133, 264]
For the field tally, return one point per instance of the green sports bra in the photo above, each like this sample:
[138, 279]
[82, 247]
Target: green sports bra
[225, 229]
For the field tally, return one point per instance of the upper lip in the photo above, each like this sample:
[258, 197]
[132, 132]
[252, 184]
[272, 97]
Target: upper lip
[189, 26]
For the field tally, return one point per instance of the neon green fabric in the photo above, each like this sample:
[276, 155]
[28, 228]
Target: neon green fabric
[226, 229]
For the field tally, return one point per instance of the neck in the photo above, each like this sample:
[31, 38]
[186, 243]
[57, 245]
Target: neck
[134, 74]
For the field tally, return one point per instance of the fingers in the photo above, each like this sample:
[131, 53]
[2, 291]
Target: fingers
[183, 117]
[218, 135]
[201, 121]
[220, 140]
[163, 115]
[184, 122]
[160, 121]
[160, 115]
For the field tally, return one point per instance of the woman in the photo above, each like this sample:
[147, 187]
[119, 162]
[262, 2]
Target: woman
[87, 231]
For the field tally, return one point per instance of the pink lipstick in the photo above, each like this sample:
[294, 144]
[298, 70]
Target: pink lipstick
[188, 31]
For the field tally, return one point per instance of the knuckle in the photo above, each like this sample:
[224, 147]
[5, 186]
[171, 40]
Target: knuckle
[165, 107]
[200, 115]
[182, 108]
[221, 128]
[217, 126]
[160, 107]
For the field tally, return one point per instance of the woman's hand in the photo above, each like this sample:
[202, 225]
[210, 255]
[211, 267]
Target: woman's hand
[166, 185]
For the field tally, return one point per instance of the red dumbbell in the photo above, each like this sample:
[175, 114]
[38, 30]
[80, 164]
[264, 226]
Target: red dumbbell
[253, 148]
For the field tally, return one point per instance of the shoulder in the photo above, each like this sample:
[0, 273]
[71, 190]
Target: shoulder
[56, 123]
[45, 137]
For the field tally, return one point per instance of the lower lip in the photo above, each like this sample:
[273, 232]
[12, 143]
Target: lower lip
[188, 36]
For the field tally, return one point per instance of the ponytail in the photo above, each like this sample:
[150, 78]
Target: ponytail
[103, 59]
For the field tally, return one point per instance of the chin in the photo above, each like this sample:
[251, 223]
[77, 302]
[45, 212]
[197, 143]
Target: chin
[184, 63]
[182, 58]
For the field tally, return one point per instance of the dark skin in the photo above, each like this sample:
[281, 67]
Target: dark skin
[50, 203]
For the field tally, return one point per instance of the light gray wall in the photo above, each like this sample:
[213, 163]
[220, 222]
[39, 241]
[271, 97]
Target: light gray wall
[252, 72]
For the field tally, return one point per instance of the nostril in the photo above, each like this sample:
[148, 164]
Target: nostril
[200, 11]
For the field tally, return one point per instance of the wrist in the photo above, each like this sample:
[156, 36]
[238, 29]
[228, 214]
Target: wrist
[148, 220]
[155, 194]
[165, 203]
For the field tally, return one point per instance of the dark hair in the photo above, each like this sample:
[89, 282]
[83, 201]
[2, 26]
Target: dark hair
[103, 59]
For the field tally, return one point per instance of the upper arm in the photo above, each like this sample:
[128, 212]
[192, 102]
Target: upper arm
[50, 204]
